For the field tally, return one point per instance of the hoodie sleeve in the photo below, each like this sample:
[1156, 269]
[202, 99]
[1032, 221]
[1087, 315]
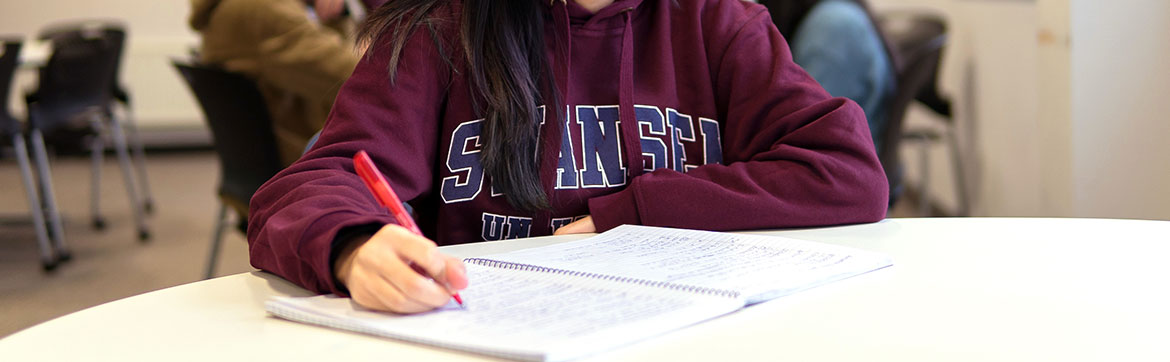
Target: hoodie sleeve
[297, 215]
[793, 155]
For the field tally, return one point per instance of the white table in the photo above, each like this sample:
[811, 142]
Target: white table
[959, 290]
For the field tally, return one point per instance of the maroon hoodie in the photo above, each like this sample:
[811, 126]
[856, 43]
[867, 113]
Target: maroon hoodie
[730, 135]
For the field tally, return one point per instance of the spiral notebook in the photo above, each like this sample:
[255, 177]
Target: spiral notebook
[579, 298]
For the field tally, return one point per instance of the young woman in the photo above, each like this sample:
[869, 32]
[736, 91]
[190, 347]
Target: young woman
[507, 119]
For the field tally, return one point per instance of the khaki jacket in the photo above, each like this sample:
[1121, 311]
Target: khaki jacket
[298, 64]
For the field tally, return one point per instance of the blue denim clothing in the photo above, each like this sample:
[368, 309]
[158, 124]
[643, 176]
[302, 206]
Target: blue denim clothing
[312, 141]
[838, 45]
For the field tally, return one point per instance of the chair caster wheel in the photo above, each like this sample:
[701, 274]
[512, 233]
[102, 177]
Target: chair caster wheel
[64, 256]
[48, 265]
[148, 206]
[99, 223]
[143, 235]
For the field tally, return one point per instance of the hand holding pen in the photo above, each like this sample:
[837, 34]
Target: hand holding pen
[396, 269]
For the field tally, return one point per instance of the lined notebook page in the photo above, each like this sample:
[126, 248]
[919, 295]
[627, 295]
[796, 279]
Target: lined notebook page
[761, 267]
[525, 314]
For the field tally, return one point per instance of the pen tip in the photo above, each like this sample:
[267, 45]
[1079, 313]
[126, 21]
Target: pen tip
[458, 299]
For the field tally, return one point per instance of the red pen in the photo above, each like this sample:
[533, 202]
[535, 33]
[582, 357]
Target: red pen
[385, 195]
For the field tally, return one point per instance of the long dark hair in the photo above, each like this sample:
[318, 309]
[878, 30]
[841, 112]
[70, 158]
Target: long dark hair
[503, 42]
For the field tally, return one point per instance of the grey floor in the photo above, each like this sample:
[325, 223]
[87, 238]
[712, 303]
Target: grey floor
[112, 264]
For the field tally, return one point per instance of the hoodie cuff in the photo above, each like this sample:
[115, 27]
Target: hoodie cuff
[322, 254]
[614, 210]
[344, 237]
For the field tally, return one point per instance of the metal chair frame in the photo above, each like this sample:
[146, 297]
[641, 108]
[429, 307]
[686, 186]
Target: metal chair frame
[41, 202]
[917, 41]
[78, 84]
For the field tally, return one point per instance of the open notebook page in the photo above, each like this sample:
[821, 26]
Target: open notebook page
[761, 267]
[525, 314]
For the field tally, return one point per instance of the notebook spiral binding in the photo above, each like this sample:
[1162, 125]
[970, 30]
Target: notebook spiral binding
[649, 283]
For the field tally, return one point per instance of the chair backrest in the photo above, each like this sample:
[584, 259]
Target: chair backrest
[917, 41]
[80, 73]
[9, 59]
[240, 125]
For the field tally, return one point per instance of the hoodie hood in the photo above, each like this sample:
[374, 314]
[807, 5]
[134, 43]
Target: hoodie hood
[579, 16]
[201, 13]
[569, 16]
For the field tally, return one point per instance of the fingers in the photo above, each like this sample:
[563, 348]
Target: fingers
[414, 286]
[455, 274]
[381, 275]
[375, 292]
[585, 225]
[414, 248]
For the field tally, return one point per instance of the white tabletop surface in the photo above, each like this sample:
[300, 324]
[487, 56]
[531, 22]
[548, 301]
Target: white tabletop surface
[960, 290]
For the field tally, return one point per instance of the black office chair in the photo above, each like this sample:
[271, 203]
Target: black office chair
[75, 93]
[242, 131]
[122, 97]
[41, 208]
[916, 40]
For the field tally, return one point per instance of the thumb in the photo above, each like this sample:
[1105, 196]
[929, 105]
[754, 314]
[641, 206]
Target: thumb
[454, 274]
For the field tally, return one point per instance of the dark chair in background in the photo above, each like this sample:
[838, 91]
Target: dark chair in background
[917, 41]
[122, 97]
[242, 133]
[75, 93]
[41, 208]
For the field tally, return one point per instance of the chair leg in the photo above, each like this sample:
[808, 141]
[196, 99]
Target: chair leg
[128, 177]
[960, 174]
[49, 199]
[216, 240]
[48, 261]
[139, 156]
[923, 184]
[97, 153]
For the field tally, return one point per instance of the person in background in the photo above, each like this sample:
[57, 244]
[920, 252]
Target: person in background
[838, 44]
[298, 62]
[509, 119]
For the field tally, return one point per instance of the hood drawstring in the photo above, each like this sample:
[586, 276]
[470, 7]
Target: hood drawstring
[551, 141]
[626, 112]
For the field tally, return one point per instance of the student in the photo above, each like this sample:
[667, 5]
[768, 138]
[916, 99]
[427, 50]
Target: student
[837, 43]
[298, 63]
[506, 119]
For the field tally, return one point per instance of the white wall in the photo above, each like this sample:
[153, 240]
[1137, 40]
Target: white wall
[157, 31]
[1065, 101]
[1120, 107]
[989, 72]
[1055, 109]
